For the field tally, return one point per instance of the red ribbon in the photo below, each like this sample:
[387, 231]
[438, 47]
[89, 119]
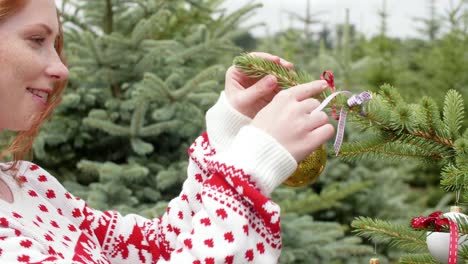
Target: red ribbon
[328, 77]
[436, 221]
[453, 248]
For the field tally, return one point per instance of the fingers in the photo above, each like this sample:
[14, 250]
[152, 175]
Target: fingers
[307, 90]
[316, 119]
[308, 105]
[273, 58]
[320, 135]
[267, 87]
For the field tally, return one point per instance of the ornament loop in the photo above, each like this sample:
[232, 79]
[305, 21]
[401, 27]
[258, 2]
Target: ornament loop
[330, 80]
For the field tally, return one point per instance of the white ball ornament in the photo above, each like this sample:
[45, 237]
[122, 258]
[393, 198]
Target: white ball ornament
[438, 243]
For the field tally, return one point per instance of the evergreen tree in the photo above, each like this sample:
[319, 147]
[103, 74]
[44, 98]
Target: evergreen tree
[434, 67]
[432, 24]
[395, 129]
[385, 65]
[295, 44]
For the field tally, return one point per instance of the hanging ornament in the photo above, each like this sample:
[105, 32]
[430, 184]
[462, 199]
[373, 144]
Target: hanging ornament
[309, 169]
[374, 260]
[443, 246]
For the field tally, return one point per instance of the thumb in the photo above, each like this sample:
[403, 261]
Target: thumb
[265, 87]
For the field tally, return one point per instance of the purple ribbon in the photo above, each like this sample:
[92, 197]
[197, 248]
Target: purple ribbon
[353, 100]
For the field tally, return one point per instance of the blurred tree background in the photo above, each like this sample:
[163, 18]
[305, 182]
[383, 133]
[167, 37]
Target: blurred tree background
[143, 73]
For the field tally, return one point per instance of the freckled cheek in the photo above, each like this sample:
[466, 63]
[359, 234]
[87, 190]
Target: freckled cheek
[28, 67]
[8, 74]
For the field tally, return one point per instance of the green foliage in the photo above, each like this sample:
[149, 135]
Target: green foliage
[453, 114]
[397, 235]
[398, 125]
[308, 201]
[418, 258]
[392, 128]
[143, 73]
[308, 241]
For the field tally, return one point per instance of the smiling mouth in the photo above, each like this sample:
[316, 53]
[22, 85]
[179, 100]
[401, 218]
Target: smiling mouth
[39, 94]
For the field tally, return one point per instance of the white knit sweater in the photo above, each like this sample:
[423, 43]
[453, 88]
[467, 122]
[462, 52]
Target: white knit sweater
[222, 215]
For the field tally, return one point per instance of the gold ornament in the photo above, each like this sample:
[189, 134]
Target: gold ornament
[374, 261]
[309, 169]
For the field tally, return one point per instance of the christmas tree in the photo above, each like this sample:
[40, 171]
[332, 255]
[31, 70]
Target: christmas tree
[415, 131]
[143, 73]
[393, 128]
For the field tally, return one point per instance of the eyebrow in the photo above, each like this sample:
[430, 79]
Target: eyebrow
[45, 27]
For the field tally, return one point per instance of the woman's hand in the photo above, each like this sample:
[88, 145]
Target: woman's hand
[249, 95]
[290, 119]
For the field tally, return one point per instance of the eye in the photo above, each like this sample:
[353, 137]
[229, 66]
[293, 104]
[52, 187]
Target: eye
[38, 40]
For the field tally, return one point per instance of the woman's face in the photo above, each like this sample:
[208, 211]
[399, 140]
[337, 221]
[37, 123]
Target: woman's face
[29, 63]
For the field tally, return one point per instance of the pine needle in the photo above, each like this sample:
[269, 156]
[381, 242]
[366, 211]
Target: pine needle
[395, 235]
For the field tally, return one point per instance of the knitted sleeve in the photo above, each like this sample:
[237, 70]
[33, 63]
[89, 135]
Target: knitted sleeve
[222, 215]
[28, 251]
[223, 123]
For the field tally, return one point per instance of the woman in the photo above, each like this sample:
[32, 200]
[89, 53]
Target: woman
[223, 214]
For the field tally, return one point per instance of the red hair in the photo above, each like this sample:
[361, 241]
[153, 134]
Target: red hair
[20, 147]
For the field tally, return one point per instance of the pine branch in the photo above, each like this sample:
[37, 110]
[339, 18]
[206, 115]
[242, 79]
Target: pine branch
[158, 128]
[455, 177]
[441, 140]
[461, 150]
[396, 235]
[364, 148]
[431, 115]
[417, 259]
[141, 147]
[75, 21]
[453, 113]
[138, 119]
[194, 84]
[153, 88]
[309, 202]
[258, 68]
[207, 46]
[463, 252]
[110, 171]
[406, 130]
[107, 126]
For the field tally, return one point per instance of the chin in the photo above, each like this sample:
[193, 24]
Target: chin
[19, 128]
[21, 125]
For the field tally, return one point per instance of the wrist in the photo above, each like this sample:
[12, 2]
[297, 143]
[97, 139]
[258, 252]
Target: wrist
[223, 122]
[261, 157]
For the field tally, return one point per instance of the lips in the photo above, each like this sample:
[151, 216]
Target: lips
[40, 94]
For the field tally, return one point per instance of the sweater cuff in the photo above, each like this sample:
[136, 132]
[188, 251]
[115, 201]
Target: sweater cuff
[223, 122]
[261, 157]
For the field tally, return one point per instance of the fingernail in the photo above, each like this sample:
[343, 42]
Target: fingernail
[285, 62]
[270, 79]
[324, 85]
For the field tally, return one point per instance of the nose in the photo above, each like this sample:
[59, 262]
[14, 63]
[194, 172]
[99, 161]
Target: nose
[57, 69]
